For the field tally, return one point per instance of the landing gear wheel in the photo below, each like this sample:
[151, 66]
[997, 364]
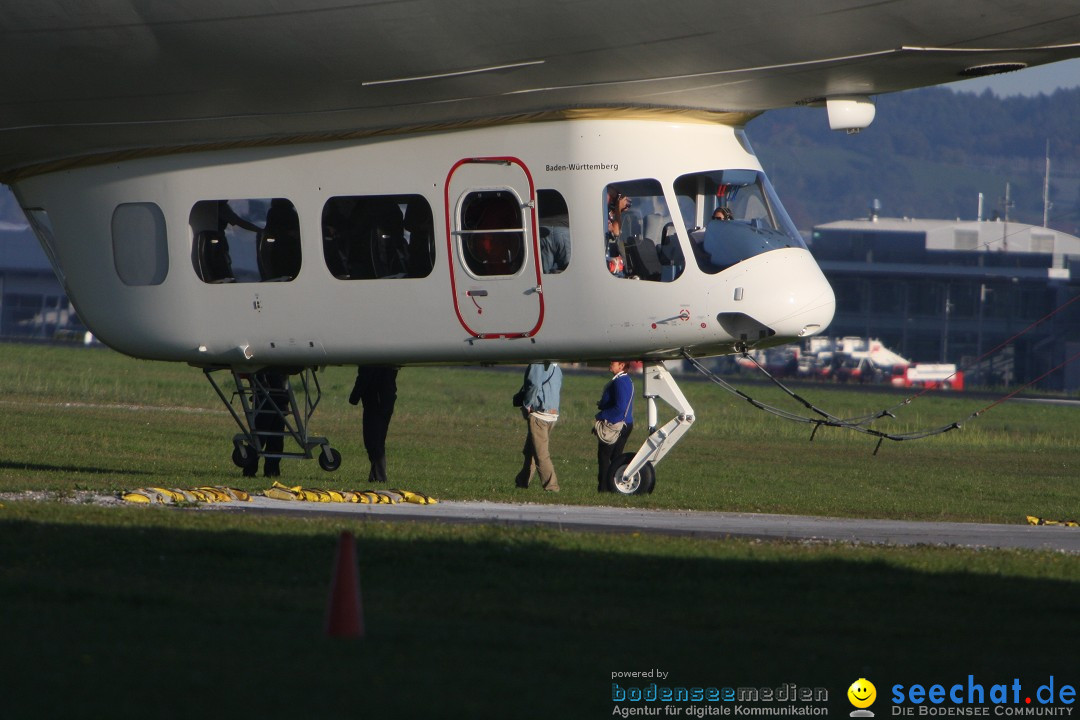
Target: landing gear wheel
[329, 459]
[243, 455]
[640, 483]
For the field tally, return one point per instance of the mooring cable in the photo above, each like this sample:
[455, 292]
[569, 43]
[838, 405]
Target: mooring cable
[993, 350]
[825, 418]
[1026, 385]
[861, 424]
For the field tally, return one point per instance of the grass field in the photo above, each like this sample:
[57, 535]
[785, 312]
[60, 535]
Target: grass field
[157, 612]
[99, 421]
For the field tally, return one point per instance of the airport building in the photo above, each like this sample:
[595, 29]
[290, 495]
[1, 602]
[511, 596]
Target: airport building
[33, 304]
[939, 291]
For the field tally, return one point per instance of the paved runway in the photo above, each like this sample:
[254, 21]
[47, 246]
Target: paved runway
[696, 524]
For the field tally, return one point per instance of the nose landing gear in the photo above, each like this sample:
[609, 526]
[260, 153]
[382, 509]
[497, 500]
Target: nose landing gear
[640, 483]
[635, 474]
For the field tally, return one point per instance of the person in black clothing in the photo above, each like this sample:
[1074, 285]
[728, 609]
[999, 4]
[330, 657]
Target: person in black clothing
[278, 245]
[271, 401]
[227, 216]
[376, 388]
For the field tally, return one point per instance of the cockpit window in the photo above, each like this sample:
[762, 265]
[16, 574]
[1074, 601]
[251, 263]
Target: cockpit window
[640, 234]
[732, 215]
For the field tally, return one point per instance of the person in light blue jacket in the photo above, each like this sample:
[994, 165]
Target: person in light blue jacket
[616, 406]
[540, 408]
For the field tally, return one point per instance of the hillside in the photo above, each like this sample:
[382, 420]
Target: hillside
[929, 153]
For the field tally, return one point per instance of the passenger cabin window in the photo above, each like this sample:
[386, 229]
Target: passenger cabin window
[492, 234]
[554, 220]
[250, 240]
[366, 237]
[640, 235]
[732, 215]
[140, 244]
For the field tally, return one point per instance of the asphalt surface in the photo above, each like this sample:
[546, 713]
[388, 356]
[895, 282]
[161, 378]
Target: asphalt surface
[693, 523]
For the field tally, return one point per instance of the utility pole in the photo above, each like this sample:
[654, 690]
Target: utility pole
[945, 332]
[1046, 187]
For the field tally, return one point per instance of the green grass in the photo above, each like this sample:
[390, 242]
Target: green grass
[136, 612]
[97, 420]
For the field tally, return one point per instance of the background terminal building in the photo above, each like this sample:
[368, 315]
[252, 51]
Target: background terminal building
[33, 304]
[951, 291]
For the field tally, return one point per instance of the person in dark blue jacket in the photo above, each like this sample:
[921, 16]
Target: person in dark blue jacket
[616, 406]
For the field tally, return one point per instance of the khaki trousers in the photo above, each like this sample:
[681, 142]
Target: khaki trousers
[537, 455]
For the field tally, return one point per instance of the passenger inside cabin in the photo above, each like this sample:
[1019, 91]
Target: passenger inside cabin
[278, 245]
[554, 231]
[336, 232]
[368, 237]
[641, 242]
[226, 216]
[364, 236]
[215, 262]
[385, 234]
[617, 204]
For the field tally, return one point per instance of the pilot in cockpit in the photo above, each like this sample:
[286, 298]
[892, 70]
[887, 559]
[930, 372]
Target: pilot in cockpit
[715, 240]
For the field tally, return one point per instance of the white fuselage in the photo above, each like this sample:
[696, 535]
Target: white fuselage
[124, 238]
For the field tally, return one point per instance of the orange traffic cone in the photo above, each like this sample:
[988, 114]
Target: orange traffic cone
[344, 616]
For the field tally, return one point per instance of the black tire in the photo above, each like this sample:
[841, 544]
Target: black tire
[331, 463]
[243, 455]
[640, 484]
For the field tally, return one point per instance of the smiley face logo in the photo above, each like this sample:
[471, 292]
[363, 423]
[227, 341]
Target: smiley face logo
[862, 693]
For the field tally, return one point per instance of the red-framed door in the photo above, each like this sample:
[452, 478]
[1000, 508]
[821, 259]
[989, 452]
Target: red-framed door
[492, 247]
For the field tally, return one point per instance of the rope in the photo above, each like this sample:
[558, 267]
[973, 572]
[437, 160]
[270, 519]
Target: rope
[993, 350]
[860, 424]
[1017, 390]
